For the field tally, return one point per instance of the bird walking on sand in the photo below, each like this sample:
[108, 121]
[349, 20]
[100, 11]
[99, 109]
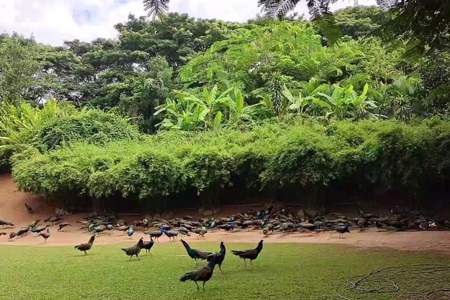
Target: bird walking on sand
[156, 234]
[86, 246]
[342, 229]
[202, 275]
[5, 223]
[200, 231]
[171, 234]
[19, 233]
[63, 225]
[251, 254]
[29, 208]
[130, 232]
[45, 235]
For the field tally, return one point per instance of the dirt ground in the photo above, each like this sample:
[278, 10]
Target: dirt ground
[12, 208]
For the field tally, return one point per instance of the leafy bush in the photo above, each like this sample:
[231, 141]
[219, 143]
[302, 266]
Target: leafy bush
[88, 125]
[23, 127]
[209, 110]
[20, 123]
[386, 155]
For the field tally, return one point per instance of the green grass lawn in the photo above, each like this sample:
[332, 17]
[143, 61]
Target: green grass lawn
[283, 271]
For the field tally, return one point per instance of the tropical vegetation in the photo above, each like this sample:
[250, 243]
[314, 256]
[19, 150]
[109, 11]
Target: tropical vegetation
[180, 108]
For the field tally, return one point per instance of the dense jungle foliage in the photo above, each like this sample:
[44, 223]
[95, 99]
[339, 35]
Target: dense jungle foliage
[365, 154]
[179, 105]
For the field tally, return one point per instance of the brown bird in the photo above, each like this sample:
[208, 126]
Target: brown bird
[63, 225]
[251, 254]
[202, 275]
[86, 246]
[22, 231]
[5, 223]
[29, 208]
[45, 235]
[135, 250]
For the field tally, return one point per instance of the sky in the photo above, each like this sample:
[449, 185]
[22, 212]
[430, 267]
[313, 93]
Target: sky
[55, 21]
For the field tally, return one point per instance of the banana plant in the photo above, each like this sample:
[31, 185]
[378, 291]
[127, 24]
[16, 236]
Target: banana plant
[306, 105]
[207, 110]
[345, 102]
[19, 123]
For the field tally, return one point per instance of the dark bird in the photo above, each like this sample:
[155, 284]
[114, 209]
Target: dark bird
[29, 208]
[35, 223]
[342, 229]
[86, 246]
[200, 231]
[183, 231]
[130, 232]
[22, 231]
[194, 253]
[45, 235]
[379, 225]
[171, 234]
[202, 275]
[53, 219]
[63, 225]
[221, 255]
[3, 233]
[251, 254]
[5, 223]
[135, 250]
[155, 234]
[147, 245]
[38, 229]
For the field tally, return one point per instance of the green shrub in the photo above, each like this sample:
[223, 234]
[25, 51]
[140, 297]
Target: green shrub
[386, 155]
[20, 123]
[23, 127]
[89, 125]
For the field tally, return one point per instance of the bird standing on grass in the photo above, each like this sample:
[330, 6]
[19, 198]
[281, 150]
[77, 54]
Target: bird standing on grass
[251, 254]
[86, 246]
[202, 275]
[135, 250]
[194, 253]
[147, 245]
[221, 255]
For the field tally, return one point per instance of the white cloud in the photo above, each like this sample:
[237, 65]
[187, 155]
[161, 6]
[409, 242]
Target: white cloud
[53, 21]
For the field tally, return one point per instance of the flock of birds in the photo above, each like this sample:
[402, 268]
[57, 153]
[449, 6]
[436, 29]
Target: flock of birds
[267, 220]
[202, 275]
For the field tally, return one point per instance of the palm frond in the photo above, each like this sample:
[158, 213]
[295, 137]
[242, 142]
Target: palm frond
[156, 8]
